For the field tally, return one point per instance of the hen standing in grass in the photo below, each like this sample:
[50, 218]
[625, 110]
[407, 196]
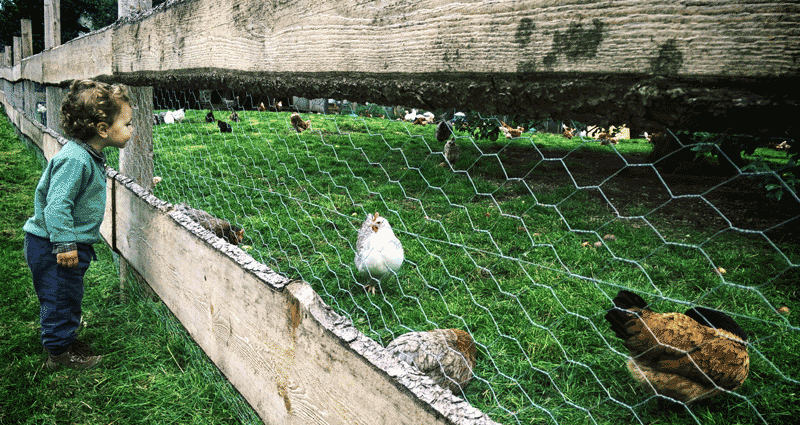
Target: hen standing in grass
[450, 150]
[298, 123]
[687, 357]
[378, 251]
[224, 127]
[446, 355]
[443, 131]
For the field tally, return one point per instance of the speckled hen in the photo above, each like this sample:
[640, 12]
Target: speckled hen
[687, 357]
[445, 355]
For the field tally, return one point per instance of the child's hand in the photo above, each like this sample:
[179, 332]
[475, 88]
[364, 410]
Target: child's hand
[68, 259]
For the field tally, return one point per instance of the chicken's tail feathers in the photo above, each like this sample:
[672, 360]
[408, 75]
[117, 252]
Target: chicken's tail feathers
[627, 300]
[626, 307]
[717, 319]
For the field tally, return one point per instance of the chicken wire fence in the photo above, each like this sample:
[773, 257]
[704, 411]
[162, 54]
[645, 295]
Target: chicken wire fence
[521, 241]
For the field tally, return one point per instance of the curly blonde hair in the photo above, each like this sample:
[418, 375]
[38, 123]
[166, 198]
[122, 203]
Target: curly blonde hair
[89, 103]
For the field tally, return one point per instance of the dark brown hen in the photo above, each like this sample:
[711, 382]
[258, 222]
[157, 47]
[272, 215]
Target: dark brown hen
[687, 357]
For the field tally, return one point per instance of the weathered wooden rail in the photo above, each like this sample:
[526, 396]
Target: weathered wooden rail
[715, 65]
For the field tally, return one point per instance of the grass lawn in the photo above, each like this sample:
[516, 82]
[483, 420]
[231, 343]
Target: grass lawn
[151, 373]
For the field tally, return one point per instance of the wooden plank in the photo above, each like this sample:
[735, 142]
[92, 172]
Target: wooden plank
[52, 23]
[287, 353]
[715, 65]
[128, 8]
[31, 68]
[136, 160]
[54, 96]
[84, 57]
[715, 37]
[52, 142]
[27, 37]
[17, 50]
[719, 65]
[30, 129]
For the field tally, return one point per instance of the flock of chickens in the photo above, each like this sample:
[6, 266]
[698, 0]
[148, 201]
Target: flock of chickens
[171, 117]
[685, 357]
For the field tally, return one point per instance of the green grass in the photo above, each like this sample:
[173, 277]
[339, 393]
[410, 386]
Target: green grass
[496, 247]
[152, 372]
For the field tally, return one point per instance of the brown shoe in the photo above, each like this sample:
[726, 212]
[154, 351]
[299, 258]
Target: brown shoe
[79, 355]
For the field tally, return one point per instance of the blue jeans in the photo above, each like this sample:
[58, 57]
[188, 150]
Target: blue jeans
[59, 289]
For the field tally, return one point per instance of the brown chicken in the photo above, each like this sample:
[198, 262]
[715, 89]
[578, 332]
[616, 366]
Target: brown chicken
[298, 123]
[569, 132]
[445, 355]
[420, 120]
[511, 132]
[221, 228]
[687, 357]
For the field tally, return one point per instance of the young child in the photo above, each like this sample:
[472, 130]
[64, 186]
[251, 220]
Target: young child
[69, 204]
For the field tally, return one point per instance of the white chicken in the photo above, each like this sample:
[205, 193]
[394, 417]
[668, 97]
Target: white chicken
[378, 251]
[179, 115]
[169, 117]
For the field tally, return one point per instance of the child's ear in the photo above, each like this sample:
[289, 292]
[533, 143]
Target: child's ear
[102, 129]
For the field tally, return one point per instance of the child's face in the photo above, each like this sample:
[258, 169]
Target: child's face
[121, 130]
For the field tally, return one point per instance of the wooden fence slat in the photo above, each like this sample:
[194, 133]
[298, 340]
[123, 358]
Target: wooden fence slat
[719, 65]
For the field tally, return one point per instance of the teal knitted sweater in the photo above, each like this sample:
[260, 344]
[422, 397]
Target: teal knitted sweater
[70, 198]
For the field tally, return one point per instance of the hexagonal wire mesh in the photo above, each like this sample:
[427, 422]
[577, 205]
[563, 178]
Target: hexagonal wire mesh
[521, 241]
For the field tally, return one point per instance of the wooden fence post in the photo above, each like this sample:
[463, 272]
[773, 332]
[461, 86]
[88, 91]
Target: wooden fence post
[136, 160]
[52, 38]
[52, 23]
[17, 50]
[27, 37]
[126, 8]
[54, 95]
